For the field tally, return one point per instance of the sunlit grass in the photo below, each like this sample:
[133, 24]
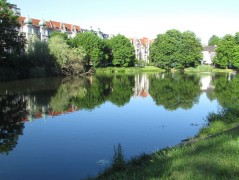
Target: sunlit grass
[128, 70]
[206, 68]
[213, 154]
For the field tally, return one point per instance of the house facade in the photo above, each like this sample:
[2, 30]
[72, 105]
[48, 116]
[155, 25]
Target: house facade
[209, 52]
[141, 47]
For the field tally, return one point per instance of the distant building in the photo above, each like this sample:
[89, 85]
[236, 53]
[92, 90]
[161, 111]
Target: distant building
[43, 29]
[208, 55]
[141, 85]
[141, 47]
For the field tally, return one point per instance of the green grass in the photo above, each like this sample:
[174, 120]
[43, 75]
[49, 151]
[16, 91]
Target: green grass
[213, 154]
[206, 68]
[128, 70]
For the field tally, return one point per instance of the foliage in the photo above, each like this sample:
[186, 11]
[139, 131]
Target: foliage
[214, 40]
[175, 91]
[176, 50]
[69, 60]
[10, 40]
[123, 51]
[225, 50]
[60, 34]
[96, 49]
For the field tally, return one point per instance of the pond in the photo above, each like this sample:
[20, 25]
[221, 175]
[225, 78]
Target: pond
[66, 129]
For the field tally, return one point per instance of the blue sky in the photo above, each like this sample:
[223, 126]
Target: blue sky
[140, 18]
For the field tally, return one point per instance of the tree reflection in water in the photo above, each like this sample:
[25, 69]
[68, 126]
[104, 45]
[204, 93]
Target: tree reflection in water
[12, 113]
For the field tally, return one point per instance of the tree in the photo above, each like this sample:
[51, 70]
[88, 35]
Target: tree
[176, 50]
[225, 51]
[191, 49]
[69, 60]
[61, 34]
[123, 51]
[95, 48]
[10, 40]
[214, 40]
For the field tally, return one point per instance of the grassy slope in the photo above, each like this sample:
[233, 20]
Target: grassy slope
[213, 154]
[211, 158]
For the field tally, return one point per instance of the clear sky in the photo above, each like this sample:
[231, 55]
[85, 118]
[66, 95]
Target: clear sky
[140, 18]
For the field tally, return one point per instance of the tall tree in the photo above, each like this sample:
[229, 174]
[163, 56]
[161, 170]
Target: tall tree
[68, 60]
[176, 50]
[225, 51]
[94, 48]
[123, 51]
[214, 40]
[10, 39]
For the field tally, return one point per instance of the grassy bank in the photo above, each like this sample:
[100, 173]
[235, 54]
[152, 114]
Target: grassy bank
[213, 154]
[206, 68]
[128, 70]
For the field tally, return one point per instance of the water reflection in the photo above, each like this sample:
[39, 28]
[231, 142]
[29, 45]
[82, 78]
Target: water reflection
[226, 90]
[175, 91]
[13, 111]
[22, 101]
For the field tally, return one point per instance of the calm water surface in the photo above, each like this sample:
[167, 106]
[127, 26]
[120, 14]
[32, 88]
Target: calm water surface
[59, 129]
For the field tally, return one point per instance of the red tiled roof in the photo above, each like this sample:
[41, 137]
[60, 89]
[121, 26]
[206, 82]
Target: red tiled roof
[55, 24]
[50, 24]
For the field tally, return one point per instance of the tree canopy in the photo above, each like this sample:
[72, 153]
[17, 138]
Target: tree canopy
[227, 52]
[95, 48]
[123, 51]
[10, 40]
[176, 50]
[214, 40]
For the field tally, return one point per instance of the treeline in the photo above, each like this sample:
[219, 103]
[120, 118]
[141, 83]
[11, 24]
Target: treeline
[227, 51]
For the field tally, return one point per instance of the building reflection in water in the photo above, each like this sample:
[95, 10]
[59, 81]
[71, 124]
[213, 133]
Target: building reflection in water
[141, 87]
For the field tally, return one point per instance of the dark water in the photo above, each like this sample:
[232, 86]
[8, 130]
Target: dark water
[59, 129]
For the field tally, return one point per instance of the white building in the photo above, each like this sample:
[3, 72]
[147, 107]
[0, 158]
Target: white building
[43, 29]
[141, 47]
[208, 55]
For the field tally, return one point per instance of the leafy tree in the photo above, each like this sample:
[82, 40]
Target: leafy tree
[10, 40]
[176, 50]
[123, 51]
[69, 60]
[225, 50]
[95, 48]
[214, 40]
[61, 34]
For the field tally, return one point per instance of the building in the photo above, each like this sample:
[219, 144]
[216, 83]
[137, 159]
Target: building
[141, 47]
[208, 54]
[43, 29]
